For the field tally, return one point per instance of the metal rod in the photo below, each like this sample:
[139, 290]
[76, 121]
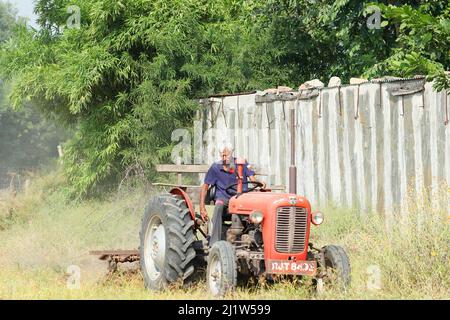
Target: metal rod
[446, 108]
[179, 177]
[201, 231]
[340, 101]
[381, 95]
[423, 99]
[320, 103]
[357, 104]
[403, 107]
[293, 168]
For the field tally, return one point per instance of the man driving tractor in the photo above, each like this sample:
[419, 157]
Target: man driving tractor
[221, 175]
[268, 234]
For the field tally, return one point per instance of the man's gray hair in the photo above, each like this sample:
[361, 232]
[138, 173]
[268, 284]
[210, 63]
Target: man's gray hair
[226, 145]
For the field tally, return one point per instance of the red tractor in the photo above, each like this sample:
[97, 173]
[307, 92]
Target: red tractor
[268, 235]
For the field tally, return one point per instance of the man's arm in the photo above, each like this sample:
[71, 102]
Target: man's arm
[210, 179]
[203, 191]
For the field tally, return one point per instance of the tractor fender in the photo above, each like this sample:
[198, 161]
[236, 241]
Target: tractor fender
[180, 192]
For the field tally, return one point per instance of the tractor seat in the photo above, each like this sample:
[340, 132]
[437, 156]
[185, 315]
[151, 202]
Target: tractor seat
[210, 195]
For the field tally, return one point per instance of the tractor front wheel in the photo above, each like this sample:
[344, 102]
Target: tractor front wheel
[336, 270]
[222, 270]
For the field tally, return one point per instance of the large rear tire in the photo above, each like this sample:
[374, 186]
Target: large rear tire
[221, 272]
[166, 242]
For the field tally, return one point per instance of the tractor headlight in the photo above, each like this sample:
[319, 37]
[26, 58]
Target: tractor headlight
[317, 218]
[256, 217]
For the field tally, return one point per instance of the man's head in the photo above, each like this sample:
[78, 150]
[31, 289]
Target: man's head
[226, 155]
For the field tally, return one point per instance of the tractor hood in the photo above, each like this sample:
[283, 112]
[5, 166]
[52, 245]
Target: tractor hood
[266, 202]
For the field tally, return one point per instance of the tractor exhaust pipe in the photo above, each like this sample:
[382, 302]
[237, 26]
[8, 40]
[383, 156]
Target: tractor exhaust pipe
[240, 174]
[293, 168]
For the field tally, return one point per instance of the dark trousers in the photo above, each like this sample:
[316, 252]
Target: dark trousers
[220, 210]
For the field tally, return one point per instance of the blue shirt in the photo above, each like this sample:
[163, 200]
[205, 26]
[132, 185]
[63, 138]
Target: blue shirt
[221, 179]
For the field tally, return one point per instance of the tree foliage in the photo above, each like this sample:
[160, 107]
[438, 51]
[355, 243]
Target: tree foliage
[7, 20]
[423, 42]
[324, 38]
[131, 73]
[27, 139]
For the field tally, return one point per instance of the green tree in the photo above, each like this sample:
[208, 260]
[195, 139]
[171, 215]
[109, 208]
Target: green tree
[323, 38]
[423, 42]
[131, 74]
[27, 139]
[7, 20]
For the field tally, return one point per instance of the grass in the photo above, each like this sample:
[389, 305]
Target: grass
[42, 235]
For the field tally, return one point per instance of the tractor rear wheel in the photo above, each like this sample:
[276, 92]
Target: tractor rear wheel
[337, 266]
[221, 272]
[166, 242]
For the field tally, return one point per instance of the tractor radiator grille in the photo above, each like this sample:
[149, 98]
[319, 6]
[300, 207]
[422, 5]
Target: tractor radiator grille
[291, 229]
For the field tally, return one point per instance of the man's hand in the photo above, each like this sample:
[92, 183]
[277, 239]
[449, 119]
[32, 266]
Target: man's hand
[204, 213]
[253, 179]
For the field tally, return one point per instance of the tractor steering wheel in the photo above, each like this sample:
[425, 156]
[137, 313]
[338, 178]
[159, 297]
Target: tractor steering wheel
[231, 190]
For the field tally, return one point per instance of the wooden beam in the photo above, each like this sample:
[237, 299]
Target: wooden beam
[190, 168]
[185, 168]
[162, 184]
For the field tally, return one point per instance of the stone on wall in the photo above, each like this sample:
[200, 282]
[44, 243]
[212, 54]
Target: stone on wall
[316, 83]
[334, 82]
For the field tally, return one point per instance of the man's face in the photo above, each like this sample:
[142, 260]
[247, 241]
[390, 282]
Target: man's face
[226, 156]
